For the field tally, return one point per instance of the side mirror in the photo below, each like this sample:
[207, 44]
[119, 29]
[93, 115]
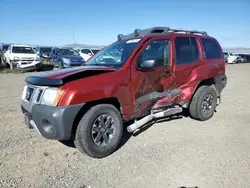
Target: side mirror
[148, 64]
[90, 54]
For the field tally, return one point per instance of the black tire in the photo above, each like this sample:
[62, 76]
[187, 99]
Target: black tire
[197, 103]
[84, 140]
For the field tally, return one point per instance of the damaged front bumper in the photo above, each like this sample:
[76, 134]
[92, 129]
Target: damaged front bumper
[28, 66]
[54, 123]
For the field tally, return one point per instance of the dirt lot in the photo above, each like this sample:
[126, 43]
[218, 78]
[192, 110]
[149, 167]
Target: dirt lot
[176, 153]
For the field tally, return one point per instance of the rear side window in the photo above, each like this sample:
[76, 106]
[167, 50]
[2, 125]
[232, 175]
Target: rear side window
[186, 49]
[212, 49]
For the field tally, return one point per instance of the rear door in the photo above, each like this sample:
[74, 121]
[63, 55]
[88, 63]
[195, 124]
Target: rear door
[148, 86]
[187, 57]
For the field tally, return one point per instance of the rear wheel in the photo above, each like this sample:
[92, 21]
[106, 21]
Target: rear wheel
[203, 104]
[100, 130]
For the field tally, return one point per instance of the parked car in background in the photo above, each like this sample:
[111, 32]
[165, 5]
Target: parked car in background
[22, 56]
[243, 58]
[87, 53]
[86, 57]
[225, 58]
[1, 58]
[3, 49]
[90, 51]
[232, 58]
[65, 57]
[247, 56]
[134, 78]
[44, 50]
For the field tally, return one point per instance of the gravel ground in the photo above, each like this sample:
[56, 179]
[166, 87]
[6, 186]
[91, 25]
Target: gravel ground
[181, 152]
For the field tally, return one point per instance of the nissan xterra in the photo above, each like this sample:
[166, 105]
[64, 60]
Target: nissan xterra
[148, 74]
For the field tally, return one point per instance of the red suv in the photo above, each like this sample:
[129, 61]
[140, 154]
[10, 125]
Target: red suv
[148, 74]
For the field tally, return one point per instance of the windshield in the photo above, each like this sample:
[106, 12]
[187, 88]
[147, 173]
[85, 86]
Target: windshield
[68, 52]
[115, 55]
[22, 50]
[45, 50]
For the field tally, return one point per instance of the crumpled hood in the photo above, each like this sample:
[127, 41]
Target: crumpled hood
[62, 76]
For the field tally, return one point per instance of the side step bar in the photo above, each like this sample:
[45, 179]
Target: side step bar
[171, 111]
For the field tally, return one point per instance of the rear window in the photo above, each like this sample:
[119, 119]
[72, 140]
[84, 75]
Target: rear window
[212, 49]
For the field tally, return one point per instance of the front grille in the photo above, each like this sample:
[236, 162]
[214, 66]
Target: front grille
[28, 59]
[33, 94]
[25, 63]
[29, 93]
[39, 95]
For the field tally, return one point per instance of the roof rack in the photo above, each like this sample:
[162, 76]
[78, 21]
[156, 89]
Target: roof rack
[157, 31]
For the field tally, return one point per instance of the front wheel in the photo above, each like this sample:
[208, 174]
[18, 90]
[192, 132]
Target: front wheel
[99, 132]
[203, 104]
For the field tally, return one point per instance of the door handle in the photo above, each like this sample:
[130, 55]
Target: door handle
[167, 73]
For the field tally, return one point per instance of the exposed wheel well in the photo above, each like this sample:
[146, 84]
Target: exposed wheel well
[113, 100]
[207, 82]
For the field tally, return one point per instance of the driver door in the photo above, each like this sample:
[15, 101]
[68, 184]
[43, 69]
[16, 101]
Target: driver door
[149, 86]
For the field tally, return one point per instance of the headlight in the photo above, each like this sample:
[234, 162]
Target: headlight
[37, 58]
[66, 60]
[17, 59]
[51, 96]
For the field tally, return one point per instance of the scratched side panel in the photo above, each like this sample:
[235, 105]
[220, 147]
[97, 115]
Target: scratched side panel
[144, 85]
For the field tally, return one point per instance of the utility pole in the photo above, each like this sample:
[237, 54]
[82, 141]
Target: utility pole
[74, 36]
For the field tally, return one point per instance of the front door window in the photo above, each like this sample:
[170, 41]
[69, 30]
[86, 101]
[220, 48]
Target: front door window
[157, 50]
